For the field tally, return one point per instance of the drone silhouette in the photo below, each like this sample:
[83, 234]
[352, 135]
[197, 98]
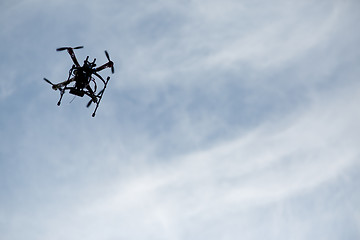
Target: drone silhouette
[82, 76]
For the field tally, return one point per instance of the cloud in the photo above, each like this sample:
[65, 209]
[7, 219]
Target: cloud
[222, 120]
[272, 164]
[233, 36]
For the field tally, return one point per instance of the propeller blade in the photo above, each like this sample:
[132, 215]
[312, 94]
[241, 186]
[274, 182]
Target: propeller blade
[65, 48]
[108, 58]
[107, 55]
[62, 49]
[89, 103]
[46, 80]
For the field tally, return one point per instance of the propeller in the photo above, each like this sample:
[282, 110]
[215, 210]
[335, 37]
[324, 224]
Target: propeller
[89, 103]
[107, 55]
[66, 48]
[48, 81]
[112, 64]
[61, 49]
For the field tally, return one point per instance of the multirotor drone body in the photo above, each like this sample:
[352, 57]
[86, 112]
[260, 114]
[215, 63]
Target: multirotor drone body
[81, 76]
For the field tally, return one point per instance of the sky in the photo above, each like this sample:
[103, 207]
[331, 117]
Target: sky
[231, 119]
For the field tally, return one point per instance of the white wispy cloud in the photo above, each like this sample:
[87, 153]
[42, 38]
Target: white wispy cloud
[224, 119]
[274, 163]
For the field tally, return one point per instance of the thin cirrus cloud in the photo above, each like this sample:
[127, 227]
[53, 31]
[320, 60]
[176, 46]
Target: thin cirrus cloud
[226, 119]
[274, 164]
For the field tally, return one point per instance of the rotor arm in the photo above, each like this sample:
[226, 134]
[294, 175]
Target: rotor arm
[70, 50]
[73, 57]
[110, 64]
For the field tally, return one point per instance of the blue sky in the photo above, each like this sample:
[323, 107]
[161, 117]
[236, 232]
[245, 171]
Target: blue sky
[224, 120]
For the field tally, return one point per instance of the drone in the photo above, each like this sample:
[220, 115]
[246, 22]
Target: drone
[80, 81]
